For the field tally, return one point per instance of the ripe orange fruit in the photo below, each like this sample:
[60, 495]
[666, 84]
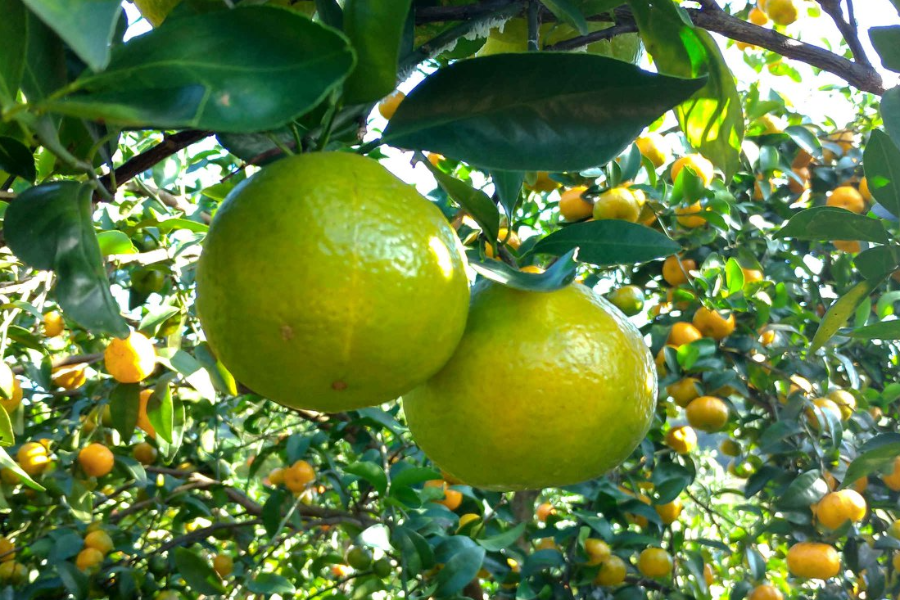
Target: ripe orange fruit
[689, 216]
[848, 246]
[573, 206]
[798, 187]
[332, 332]
[131, 359]
[7, 550]
[53, 324]
[654, 147]
[511, 238]
[824, 404]
[13, 572]
[9, 385]
[836, 508]
[848, 198]
[223, 565]
[99, 540]
[89, 559]
[701, 167]
[765, 592]
[757, 17]
[681, 439]
[144, 453]
[143, 420]
[452, 498]
[617, 203]
[276, 476]
[707, 413]
[33, 458]
[752, 275]
[388, 106]
[595, 367]
[845, 401]
[813, 560]
[543, 511]
[69, 377]
[892, 479]
[654, 563]
[612, 572]
[683, 333]
[676, 271]
[543, 182]
[864, 189]
[708, 575]
[298, 476]
[96, 459]
[669, 513]
[712, 324]
[597, 550]
[684, 390]
[466, 519]
[434, 158]
[532, 269]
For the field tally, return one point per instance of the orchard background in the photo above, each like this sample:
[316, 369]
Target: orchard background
[763, 276]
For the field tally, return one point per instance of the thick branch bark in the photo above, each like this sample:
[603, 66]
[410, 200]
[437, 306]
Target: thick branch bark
[138, 164]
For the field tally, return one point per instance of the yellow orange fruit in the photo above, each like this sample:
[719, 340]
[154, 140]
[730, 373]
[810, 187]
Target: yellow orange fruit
[682, 439]
[836, 508]
[573, 206]
[612, 572]
[13, 572]
[298, 476]
[848, 198]
[53, 324]
[7, 550]
[823, 405]
[69, 377]
[684, 390]
[654, 563]
[10, 389]
[99, 540]
[783, 12]
[144, 453]
[689, 216]
[331, 332]
[130, 360]
[451, 499]
[707, 413]
[544, 510]
[708, 575]
[654, 147]
[676, 271]
[223, 565]
[543, 182]
[713, 324]
[757, 17]
[765, 592]
[597, 550]
[89, 559]
[700, 166]
[845, 401]
[864, 190]
[729, 447]
[669, 513]
[388, 106]
[33, 458]
[617, 203]
[892, 479]
[813, 560]
[683, 333]
[143, 419]
[96, 460]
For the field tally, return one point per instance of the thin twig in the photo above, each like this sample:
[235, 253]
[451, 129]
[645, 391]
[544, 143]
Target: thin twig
[847, 28]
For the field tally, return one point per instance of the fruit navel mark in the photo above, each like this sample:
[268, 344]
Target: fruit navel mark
[339, 386]
[287, 332]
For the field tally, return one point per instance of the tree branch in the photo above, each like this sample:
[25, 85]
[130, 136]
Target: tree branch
[847, 27]
[594, 36]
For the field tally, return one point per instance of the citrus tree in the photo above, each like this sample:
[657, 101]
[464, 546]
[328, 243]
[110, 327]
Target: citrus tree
[242, 359]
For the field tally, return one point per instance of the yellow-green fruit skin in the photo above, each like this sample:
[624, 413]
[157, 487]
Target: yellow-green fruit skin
[155, 11]
[326, 283]
[545, 389]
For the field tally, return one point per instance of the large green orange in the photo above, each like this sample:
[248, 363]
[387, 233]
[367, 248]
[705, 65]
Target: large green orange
[326, 283]
[544, 390]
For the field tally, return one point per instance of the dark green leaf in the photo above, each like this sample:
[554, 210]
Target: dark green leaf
[841, 311]
[886, 41]
[877, 262]
[161, 411]
[558, 276]
[875, 454]
[75, 581]
[805, 138]
[889, 330]
[330, 12]
[609, 242]
[416, 552]
[413, 475]
[45, 61]
[192, 371]
[483, 110]
[502, 540]
[86, 26]
[270, 583]
[50, 227]
[375, 29]
[567, 12]
[197, 572]
[827, 223]
[371, 473]
[756, 562]
[881, 160]
[124, 406]
[271, 512]
[890, 113]
[508, 185]
[6, 462]
[243, 70]
[475, 202]
[669, 36]
[806, 489]
[7, 436]
[13, 32]
[459, 570]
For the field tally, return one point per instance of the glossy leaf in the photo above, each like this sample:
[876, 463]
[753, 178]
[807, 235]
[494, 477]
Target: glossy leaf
[502, 540]
[16, 159]
[50, 227]
[7, 436]
[87, 26]
[462, 566]
[877, 262]
[667, 33]
[609, 242]
[13, 32]
[569, 13]
[370, 472]
[534, 111]
[806, 489]
[243, 70]
[558, 276]
[890, 113]
[886, 41]
[270, 583]
[889, 330]
[45, 61]
[827, 223]
[124, 406]
[197, 572]
[805, 139]
[6, 462]
[473, 201]
[877, 453]
[841, 311]
[508, 185]
[375, 28]
[161, 411]
[881, 160]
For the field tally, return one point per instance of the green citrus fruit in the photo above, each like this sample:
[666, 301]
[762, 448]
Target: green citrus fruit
[628, 298]
[326, 283]
[544, 390]
[155, 11]
[359, 558]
